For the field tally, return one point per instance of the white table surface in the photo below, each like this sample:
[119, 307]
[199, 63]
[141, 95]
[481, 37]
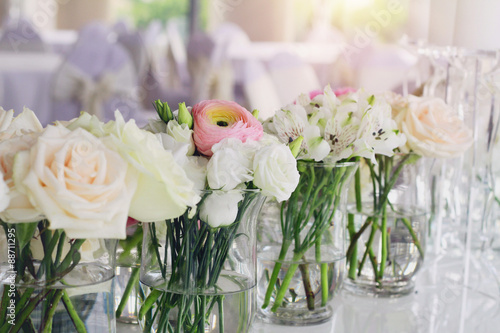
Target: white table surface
[439, 304]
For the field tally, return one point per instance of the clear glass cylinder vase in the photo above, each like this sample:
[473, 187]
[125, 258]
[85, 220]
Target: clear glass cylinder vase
[52, 283]
[128, 262]
[301, 252]
[387, 226]
[201, 267]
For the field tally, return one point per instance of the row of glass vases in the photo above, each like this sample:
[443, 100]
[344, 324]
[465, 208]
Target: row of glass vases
[285, 263]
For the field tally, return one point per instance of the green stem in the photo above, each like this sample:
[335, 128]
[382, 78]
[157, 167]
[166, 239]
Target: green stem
[221, 313]
[357, 188]
[131, 284]
[304, 271]
[52, 310]
[24, 314]
[352, 252]
[5, 302]
[383, 256]
[368, 247]
[79, 325]
[407, 223]
[324, 274]
[276, 270]
[286, 281]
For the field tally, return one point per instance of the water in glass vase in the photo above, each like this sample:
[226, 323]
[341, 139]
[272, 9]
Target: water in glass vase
[406, 234]
[228, 312]
[304, 302]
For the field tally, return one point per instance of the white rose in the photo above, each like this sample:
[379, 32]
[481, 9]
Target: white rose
[231, 164]
[433, 129]
[20, 209]
[220, 208]
[79, 184]
[164, 191]
[275, 171]
[88, 122]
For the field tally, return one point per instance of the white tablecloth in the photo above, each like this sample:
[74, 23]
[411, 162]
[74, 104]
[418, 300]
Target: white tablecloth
[26, 80]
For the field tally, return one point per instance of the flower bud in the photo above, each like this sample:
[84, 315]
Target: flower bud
[185, 116]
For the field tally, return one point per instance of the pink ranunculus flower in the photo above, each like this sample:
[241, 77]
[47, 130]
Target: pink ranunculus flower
[215, 120]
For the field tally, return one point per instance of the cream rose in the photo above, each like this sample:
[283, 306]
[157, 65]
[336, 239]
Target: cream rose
[4, 194]
[164, 191]
[25, 122]
[78, 183]
[275, 171]
[20, 209]
[432, 129]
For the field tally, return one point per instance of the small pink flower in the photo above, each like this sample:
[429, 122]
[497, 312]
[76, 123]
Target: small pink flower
[215, 120]
[131, 222]
[343, 91]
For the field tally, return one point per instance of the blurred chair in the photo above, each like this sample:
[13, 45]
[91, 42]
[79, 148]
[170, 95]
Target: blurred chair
[19, 35]
[259, 89]
[292, 76]
[199, 50]
[98, 76]
[177, 63]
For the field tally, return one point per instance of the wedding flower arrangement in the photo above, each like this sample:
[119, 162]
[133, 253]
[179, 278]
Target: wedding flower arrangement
[432, 130]
[231, 161]
[67, 187]
[334, 128]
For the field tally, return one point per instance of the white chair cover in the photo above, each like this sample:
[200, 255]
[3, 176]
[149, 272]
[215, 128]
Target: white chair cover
[98, 77]
[178, 77]
[25, 80]
[21, 36]
[259, 90]
[292, 76]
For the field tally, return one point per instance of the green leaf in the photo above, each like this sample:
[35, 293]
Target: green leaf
[371, 100]
[24, 233]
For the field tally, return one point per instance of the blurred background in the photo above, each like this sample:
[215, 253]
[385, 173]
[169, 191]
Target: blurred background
[59, 57]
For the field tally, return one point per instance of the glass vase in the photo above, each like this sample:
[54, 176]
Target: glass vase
[128, 262]
[301, 252]
[201, 267]
[387, 226]
[55, 284]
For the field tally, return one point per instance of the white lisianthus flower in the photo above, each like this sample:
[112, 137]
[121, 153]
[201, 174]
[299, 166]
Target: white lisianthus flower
[220, 208]
[164, 191]
[78, 183]
[20, 209]
[231, 163]
[275, 171]
[181, 133]
[156, 126]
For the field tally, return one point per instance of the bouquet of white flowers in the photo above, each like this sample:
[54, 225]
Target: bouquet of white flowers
[192, 261]
[65, 188]
[335, 131]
